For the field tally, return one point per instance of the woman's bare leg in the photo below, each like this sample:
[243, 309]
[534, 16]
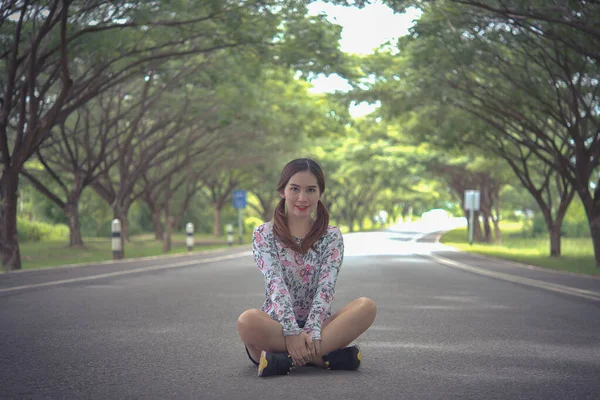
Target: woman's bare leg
[260, 332]
[346, 325]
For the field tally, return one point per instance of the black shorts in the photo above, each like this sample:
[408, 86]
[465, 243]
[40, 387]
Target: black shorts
[300, 325]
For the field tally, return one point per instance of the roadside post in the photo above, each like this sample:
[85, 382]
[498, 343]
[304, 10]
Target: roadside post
[189, 239]
[230, 234]
[239, 202]
[472, 205]
[117, 249]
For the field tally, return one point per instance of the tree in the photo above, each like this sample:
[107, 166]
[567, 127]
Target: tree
[573, 24]
[74, 155]
[364, 169]
[163, 142]
[520, 88]
[116, 41]
[536, 102]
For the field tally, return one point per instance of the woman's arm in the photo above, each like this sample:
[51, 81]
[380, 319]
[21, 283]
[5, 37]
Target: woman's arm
[268, 262]
[332, 261]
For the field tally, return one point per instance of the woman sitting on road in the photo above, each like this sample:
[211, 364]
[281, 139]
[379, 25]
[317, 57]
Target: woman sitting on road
[300, 257]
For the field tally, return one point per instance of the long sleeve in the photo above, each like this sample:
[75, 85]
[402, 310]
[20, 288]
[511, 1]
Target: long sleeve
[276, 289]
[332, 261]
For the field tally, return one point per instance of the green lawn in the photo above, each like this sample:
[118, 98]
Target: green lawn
[577, 253]
[57, 252]
[49, 253]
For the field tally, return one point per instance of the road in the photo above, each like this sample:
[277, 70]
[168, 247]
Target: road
[165, 329]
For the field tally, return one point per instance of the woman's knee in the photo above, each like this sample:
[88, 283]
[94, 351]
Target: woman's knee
[258, 328]
[245, 323]
[367, 306]
[248, 318]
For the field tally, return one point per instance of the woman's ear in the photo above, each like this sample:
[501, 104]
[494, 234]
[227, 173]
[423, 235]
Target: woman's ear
[282, 195]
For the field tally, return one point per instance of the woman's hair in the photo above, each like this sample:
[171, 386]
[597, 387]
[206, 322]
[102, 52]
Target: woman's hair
[280, 225]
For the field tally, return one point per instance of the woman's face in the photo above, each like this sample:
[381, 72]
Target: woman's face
[301, 194]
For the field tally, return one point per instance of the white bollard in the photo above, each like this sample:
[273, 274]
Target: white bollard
[116, 239]
[230, 234]
[189, 240]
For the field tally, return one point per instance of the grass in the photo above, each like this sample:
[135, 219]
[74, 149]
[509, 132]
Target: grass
[57, 252]
[577, 254]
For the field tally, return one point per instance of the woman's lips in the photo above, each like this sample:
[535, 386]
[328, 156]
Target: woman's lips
[302, 208]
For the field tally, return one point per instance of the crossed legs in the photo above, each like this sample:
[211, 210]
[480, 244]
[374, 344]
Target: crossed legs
[260, 332]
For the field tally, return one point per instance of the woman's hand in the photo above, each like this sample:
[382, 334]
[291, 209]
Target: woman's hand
[300, 348]
[316, 348]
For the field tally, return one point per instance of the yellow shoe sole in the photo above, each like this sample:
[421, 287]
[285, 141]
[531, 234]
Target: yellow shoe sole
[263, 363]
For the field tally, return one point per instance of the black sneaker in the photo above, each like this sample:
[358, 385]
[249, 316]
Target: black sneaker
[274, 364]
[348, 358]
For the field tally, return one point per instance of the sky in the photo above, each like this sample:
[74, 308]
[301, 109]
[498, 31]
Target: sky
[363, 30]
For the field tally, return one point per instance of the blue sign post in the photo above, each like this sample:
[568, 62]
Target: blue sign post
[239, 202]
[239, 199]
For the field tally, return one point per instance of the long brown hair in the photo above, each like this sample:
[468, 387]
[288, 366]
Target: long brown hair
[280, 225]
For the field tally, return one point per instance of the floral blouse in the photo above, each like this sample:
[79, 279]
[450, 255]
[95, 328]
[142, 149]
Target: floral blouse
[298, 288]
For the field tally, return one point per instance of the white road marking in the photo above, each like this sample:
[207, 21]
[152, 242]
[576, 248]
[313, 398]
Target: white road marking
[586, 294]
[129, 271]
[124, 261]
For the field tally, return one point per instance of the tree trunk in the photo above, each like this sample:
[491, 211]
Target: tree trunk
[267, 215]
[217, 219]
[124, 228]
[487, 227]
[72, 213]
[592, 210]
[496, 219]
[555, 241]
[554, 225]
[554, 228]
[268, 211]
[10, 254]
[122, 217]
[477, 236]
[595, 232]
[156, 224]
[167, 242]
[405, 212]
[497, 232]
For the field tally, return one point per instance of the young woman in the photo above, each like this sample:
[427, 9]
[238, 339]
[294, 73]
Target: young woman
[300, 256]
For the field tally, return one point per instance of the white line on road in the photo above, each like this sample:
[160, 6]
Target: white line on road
[129, 271]
[419, 236]
[587, 294]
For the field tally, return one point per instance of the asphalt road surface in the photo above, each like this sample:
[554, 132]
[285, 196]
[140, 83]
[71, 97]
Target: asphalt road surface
[449, 326]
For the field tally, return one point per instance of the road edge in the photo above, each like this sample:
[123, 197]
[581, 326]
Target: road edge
[516, 263]
[124, 261]
[587, 294]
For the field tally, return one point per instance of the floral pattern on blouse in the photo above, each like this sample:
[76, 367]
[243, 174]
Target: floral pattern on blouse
[298, 288]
